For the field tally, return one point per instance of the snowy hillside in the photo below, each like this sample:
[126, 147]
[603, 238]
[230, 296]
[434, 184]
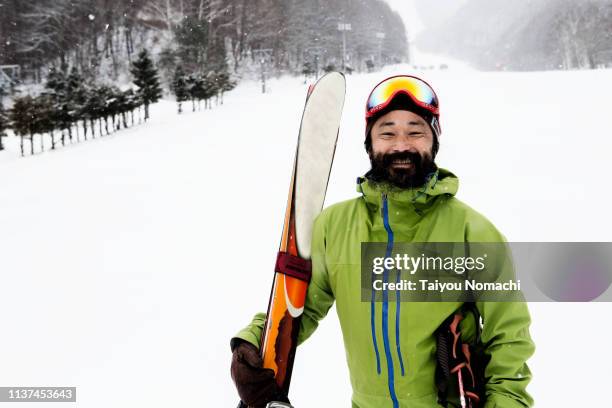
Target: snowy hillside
[528, 36]
[122, 258]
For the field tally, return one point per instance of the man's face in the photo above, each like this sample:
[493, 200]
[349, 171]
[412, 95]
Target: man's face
[401, 149]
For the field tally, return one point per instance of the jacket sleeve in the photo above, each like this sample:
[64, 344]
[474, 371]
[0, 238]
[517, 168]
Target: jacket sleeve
[505, 335]
[319, 296]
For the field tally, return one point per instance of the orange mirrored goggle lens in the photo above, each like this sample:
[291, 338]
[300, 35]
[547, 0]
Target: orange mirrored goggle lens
[420, 92]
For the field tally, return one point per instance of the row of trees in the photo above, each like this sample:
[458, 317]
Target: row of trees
[3, 125]
[200, 87]
[73, 111]
[104, 109]
[71, 108]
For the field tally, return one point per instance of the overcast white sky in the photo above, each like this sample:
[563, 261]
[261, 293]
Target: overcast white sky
[418, 14]
[422, 14]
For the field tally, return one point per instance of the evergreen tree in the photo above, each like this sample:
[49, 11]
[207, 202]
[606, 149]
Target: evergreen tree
[122, 108]
[106, 95]
[179, 87]
[93, 109]
[329, 68]
[192, 89]
[56, 84]
[44, 119]
[211, 88]
[63, 120]
[58, 94]
[307, 70]
[74, 100]
[48, 118]
[74, 82]
[147, 80]
[198, 89]
[113, 104]
[3, 125]
[225, 83]
[21, 118]
[192, 38]
[76, 94]
[131, 103]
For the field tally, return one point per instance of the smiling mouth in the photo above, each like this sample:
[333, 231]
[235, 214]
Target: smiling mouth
[402, 163]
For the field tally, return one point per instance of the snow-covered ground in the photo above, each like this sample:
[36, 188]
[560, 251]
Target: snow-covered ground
[128, 262]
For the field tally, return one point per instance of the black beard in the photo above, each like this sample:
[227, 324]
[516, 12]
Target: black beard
[416, 176]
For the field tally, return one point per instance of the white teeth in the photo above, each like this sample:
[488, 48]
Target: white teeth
[402, 161]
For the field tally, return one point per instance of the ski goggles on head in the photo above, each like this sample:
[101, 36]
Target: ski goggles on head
[418, 90]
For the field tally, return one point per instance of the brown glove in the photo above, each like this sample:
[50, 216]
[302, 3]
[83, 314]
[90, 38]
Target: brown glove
[256, 385]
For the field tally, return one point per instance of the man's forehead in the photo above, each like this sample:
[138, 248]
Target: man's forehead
[410, 122]
[396, 117]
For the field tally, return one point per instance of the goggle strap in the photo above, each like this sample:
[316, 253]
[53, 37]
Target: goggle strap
[435, 125]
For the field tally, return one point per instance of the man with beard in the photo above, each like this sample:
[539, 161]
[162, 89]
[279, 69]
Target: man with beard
[391, 347]
[400, 144]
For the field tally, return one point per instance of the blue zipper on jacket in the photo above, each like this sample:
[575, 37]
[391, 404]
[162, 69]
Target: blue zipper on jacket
[385, 310]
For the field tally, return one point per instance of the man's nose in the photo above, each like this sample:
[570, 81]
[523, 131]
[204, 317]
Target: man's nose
[403, 144]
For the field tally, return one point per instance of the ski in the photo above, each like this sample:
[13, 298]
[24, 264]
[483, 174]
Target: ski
[311, 169]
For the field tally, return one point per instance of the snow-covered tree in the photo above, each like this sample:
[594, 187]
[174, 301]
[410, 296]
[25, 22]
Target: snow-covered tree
[179, 87]
[225, 84]
[581, 29]
[21, 116]
[56, 83]
[76, 98]
[192, 37]
[147, 80]
[3, 124]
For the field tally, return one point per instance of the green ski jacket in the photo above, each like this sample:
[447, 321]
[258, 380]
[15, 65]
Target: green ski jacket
[391, 351]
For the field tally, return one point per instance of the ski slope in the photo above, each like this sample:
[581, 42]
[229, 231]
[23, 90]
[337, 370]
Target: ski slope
[128, 262]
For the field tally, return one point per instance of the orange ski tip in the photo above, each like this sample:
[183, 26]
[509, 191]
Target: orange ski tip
[296, 291]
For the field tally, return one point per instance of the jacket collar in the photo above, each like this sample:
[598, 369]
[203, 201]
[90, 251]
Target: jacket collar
[442, 182]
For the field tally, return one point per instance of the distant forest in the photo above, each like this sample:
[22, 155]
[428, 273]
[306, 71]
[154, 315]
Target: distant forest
[527, 35]
[102, 37]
